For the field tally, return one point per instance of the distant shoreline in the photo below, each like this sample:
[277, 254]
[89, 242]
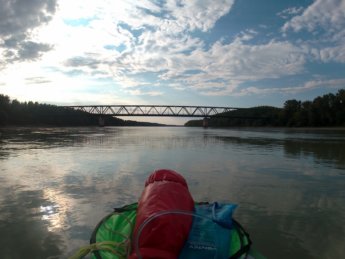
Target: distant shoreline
[340, 128]
[82, 126]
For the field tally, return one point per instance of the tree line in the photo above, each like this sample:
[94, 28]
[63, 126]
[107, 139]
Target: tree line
[324, 111]
[15, 113]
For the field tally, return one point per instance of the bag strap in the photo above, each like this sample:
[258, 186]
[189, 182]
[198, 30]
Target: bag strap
[243, 235]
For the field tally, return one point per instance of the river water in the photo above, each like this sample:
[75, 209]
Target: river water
[57, 183]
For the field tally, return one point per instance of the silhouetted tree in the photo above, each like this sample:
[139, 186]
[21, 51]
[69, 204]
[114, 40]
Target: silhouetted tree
[4, 108]
[30, 113]
[326, 110]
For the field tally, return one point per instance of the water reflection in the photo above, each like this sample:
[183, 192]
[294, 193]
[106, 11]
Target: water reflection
[55, 211]
[24, 234]
[322, 151]
[320, 147]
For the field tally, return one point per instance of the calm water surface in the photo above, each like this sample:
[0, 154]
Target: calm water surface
[57, 183]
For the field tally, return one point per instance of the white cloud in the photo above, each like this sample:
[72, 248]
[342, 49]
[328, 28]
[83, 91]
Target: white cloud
[312, 84]
[328, 83]
[228, 65]
[328, 14]
[63, 91]
[170, 16]
[197, 14]
[325, 19]
[333, 54]
[216, 71]
[246, 35]
[82, 48]
[26, 82]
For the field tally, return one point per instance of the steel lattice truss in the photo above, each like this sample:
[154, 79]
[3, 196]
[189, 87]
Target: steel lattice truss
[154, 110]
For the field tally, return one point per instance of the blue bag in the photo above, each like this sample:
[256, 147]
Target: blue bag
[209, 236]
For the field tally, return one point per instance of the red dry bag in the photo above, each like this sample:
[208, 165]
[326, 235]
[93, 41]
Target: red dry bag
[159, 233]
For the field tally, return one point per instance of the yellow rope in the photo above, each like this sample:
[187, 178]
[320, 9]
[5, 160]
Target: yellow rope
[119, 249]
[108, 246]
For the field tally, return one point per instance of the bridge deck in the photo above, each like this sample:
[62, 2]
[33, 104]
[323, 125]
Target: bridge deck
[154, 110]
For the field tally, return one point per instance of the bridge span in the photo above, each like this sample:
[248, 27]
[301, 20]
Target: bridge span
[155, 110]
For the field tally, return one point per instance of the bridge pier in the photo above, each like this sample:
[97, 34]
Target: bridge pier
[101, 121]
[205, 123]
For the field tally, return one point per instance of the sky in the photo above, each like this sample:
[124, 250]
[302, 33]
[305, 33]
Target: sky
[236, 53]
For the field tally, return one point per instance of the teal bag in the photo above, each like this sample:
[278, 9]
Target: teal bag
[209, 236]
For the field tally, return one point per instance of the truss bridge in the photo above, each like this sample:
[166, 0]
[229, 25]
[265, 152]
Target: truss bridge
[155, 110]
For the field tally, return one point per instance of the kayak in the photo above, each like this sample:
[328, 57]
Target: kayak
[166, 223]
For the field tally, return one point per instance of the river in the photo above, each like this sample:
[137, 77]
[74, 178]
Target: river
[57, 183]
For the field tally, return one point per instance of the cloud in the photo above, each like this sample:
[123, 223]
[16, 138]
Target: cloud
[82, 61]
[330, 54]
[167, 48]
[328, 14]
[312, 84]
[292, 11]
[37, 80]
[30, 50]
[325, 20]
[18, 20]
[225, 66]
[18, 17]
[21, 51]
[328, 83]
[151, 35]
[197, 14]
[170, 15]
[218, 70]
[26, 82]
